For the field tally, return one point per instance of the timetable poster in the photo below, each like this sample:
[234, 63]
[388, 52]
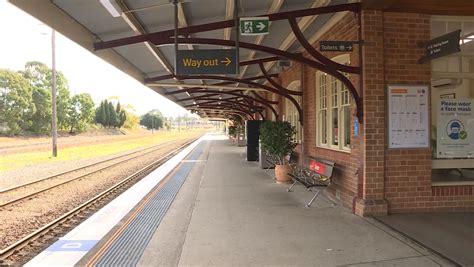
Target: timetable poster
[408, 116]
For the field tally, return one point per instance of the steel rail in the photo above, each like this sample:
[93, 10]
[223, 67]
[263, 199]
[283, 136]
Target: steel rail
[25, 241]
[79, 168]
[27, 196]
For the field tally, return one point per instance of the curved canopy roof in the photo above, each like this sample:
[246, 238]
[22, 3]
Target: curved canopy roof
[136, 36]
[97, 24]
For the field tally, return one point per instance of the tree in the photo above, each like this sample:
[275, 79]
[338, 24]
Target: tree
[62, 100]
[100, 114]
[80, 112]
[103, 114]
[112, 115]
[39, 76]
[109, 116]
[131, 120]
[41, 119]
[107, 113]
[121, 116]
[152, 120]
[118, 108]
[16, 107]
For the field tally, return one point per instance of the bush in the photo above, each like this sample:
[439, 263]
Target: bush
[232, 131]
[277, 139]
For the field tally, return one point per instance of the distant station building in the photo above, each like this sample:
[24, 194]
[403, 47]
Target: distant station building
[387, 87]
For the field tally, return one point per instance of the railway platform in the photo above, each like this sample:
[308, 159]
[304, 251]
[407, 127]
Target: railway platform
[208, 206]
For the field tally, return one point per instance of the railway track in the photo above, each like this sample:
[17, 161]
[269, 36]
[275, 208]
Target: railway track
[49, 232]
[35, 187]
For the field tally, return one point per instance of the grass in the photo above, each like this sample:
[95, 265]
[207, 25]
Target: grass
[20, 160]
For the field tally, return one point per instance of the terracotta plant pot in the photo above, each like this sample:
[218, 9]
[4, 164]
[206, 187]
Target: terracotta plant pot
[281, 174]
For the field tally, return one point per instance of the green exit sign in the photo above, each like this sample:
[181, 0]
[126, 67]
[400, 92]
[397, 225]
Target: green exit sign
[254, 25]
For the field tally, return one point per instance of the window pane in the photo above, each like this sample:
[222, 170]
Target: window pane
[347, 126]
[322, 100]
[334, 126]
[334, 92]
[323, 126]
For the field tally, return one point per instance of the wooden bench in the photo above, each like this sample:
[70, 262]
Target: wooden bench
[318, 173]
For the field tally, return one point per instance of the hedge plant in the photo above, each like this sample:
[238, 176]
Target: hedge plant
[277, 139]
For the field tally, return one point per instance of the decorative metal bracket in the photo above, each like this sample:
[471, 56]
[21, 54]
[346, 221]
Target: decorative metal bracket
[321, 63]
[260, 100]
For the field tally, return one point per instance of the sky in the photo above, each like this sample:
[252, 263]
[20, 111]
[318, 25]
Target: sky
[24, 38]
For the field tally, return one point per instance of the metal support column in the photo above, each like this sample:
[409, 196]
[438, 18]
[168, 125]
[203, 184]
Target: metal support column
[54, 127]
[237, 35]
[175, 3]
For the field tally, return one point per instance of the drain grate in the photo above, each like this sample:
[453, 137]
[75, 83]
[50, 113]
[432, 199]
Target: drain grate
[127, 249]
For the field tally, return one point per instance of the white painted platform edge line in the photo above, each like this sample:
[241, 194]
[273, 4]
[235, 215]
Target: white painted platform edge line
[115, 211]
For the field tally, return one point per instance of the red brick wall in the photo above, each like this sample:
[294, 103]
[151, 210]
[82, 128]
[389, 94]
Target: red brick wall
[372, 199]
[345, 177]
[408, 172]
[393, 181]
[452, 198]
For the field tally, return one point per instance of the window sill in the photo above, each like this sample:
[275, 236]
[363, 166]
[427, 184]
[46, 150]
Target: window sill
[347, 151]
[452, 163]
[452, 183]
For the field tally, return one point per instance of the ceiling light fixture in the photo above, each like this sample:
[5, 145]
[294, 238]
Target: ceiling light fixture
[466, 39]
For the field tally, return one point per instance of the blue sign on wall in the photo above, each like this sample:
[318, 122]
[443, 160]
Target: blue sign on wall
[356, 127]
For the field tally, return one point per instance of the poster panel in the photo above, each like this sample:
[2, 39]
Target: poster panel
[455, 129]
[408, 120]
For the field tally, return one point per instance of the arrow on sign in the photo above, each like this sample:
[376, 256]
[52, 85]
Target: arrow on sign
[227, 61]
[260, 26]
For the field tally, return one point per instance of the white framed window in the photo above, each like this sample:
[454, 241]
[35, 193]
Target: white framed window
[333, 120]
[291, 112]
[322, 120]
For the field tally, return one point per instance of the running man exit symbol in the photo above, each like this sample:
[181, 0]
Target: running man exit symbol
[254, 25]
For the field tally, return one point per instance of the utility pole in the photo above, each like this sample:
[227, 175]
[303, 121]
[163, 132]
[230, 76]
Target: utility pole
[54, 130]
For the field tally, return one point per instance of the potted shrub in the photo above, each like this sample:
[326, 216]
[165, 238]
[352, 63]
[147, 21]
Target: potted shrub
[277, 139]
[232, 133]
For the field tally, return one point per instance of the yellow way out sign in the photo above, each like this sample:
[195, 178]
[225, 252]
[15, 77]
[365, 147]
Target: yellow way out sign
[209, 61]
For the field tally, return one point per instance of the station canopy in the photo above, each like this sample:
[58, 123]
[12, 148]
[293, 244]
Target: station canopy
[137, 37]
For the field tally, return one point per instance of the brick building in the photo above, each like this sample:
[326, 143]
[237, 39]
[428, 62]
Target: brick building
[372, 178]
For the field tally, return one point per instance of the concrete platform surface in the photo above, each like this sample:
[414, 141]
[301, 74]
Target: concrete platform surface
[229, 212]
[451, 234]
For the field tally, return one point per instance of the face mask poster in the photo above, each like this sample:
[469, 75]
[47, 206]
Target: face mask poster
[455, 129]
